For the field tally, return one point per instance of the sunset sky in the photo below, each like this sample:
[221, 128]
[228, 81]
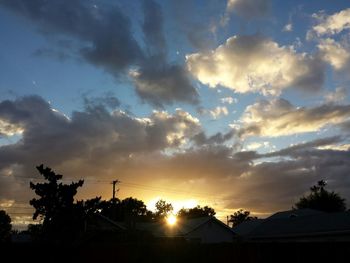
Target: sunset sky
[227, 103]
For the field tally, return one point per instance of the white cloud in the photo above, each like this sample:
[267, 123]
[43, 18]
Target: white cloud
[332, 24]
[335, 147]
[256, 64]
[249, 9]
[9, 129]
[228, 100]
[254, 146]
[334, 53]
[288, 27]
[218, 111]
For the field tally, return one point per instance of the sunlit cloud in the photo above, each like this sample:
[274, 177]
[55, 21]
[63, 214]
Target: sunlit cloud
[280, 118]
[334, 53]
[256, 64]
[331, 24]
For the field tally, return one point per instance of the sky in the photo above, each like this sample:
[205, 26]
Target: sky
[227, 103]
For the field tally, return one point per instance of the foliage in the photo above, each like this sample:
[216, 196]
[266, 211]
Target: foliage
[127, 209]
[63, 219]
[55, 198]
[240, 216]
[196, 212]
[163, 209]
[321, 199]
[5, 226]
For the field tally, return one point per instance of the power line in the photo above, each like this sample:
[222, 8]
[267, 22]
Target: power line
[130, 184]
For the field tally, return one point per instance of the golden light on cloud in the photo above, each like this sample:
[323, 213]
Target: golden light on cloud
[171, 220]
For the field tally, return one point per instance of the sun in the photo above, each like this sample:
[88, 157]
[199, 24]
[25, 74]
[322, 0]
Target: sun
[171, 220]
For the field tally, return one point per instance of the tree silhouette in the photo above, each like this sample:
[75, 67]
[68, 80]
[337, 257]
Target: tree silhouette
[240, 216]
[5, 226]
[127, 209]
[62, 218]
[321, 199]
[163, 209]
[196, 212]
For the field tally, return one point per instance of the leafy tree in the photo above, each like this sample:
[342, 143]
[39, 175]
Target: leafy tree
[5, 226]
[163, 209]
[55, 198]
[62, 218]
[196, 212]
[133, 208]
[240, 216]
[127, 209]
[321, 199]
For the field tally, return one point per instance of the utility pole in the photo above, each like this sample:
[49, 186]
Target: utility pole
[114, 191]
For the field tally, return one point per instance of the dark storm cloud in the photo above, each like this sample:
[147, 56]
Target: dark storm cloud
[105, 38]
[164, 84]
[218, 138]
[104, 31]
[157, 81]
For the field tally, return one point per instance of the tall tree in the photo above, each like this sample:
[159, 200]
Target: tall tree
[63, 219]
[321, 199]
[163, 209]
[240, 216]
[196, 212]
[5, 226]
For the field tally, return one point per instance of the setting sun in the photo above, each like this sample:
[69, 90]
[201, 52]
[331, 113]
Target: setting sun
[171, 220]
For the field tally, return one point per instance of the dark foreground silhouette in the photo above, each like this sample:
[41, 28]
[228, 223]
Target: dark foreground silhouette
[178, 252]
[109, 231]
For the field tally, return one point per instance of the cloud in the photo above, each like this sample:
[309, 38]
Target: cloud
[218, 111]
[336, 54]
[228, 100]
[103, 36]
[188, 17]
[338, 96]
[153, 28]
[256, 64]
[9, 129]
[296, 150]
[95, 134]
[218, 138]
[331, 24]
[105, 33]
[249, 9]
[98, 144]
[164, 84]
[288, 27]
[156, 81]
[280, 118]
[290, 176]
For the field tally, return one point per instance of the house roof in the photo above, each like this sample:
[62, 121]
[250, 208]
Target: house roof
[105, 223]
[181, 228]
[303, 225]
[247, 226]
[294, 213]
